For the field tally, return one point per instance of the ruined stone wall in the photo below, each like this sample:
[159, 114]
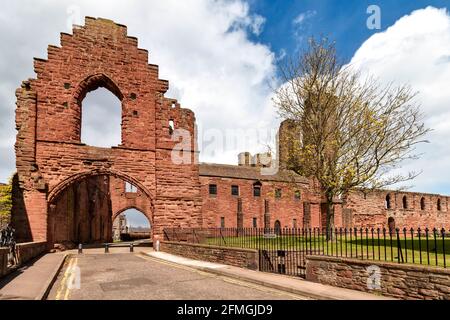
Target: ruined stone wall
[421, 210]
[242, 258]
[178, 202]
[284, 209]
[412, 282]
[122, 200]
[50, 156]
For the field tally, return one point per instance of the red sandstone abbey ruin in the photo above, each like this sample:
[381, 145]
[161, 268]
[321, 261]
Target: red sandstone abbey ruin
[68, 192]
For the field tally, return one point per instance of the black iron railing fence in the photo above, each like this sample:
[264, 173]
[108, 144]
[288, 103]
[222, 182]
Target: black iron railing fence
[284, 250]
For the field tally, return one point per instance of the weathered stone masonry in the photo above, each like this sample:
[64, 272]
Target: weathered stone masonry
[59, 182]
[50, 156]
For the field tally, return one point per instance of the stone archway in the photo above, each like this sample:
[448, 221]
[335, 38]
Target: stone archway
[50, 156]
[120, 227]
[82, 209]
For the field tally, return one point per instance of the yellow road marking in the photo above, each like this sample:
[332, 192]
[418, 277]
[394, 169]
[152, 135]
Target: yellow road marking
[225, 278]
[63, 280]
[70, 280]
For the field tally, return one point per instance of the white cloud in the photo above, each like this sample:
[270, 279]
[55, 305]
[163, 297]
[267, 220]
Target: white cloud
[302, 17]
[301, 26]
[416, 50]
[202, 48]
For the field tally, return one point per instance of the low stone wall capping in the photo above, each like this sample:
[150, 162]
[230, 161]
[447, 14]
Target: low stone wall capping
[243, 258]
[404, 281]
[25, 253]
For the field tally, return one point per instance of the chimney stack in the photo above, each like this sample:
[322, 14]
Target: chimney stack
[245, 159]
[263, 160]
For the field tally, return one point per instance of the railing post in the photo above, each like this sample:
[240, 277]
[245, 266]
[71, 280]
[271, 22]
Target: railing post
[399, 247]
[428, 245]
[420, 244]
[443, 246]
[406, 244]
[435, 246]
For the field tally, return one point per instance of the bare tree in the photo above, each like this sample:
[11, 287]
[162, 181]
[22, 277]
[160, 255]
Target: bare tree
[346, 132]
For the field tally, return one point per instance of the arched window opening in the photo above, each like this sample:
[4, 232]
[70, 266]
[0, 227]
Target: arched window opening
[439, 207]
[391, 225]
[405, 202]
[257, 189]
[422, 204]
[278, 227]
[388, 202]
[171, 126]
[131, 225]
[101, 119]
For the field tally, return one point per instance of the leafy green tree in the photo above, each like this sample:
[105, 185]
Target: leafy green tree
[6, 202]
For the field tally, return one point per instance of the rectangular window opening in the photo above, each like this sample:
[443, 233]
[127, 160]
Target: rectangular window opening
[213, 189]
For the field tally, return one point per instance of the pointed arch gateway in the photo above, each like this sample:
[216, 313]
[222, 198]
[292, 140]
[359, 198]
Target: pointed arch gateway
[130, 224]
[83, 208]
[57, 171]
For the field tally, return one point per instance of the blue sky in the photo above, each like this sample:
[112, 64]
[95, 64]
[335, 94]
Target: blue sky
[342, 21]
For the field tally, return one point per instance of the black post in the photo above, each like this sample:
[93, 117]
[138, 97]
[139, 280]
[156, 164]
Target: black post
[80, 248]
[443, 246]
[390, 243]
[420, 245]
[379, 248]
[106, 248]
[428, 246]
[399, 247]
[373, 245]
[131, 247]
[367, 243]
[346, 244]
[362, 239]
[406, 245]
[435, 246]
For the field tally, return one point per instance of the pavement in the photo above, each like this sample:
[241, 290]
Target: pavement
[275, 281]
[32, 281]
[149, 275]
[137, 276]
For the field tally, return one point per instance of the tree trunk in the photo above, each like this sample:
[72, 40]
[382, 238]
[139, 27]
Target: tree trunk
[330, 218]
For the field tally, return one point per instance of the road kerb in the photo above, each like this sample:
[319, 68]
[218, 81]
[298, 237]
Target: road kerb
[52, 279]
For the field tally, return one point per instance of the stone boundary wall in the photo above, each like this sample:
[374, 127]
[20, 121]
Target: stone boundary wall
[404, 281]
[4, 261]
[25, 253]
[31, 250]
[243, 258]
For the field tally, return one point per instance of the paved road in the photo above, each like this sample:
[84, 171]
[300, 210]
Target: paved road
[136, 277]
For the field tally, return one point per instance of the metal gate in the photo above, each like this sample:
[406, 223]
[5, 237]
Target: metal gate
[288, 262]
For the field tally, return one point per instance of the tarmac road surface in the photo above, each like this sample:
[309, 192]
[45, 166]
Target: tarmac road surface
[127, 276]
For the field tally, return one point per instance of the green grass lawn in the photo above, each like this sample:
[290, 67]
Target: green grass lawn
[406, 250]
